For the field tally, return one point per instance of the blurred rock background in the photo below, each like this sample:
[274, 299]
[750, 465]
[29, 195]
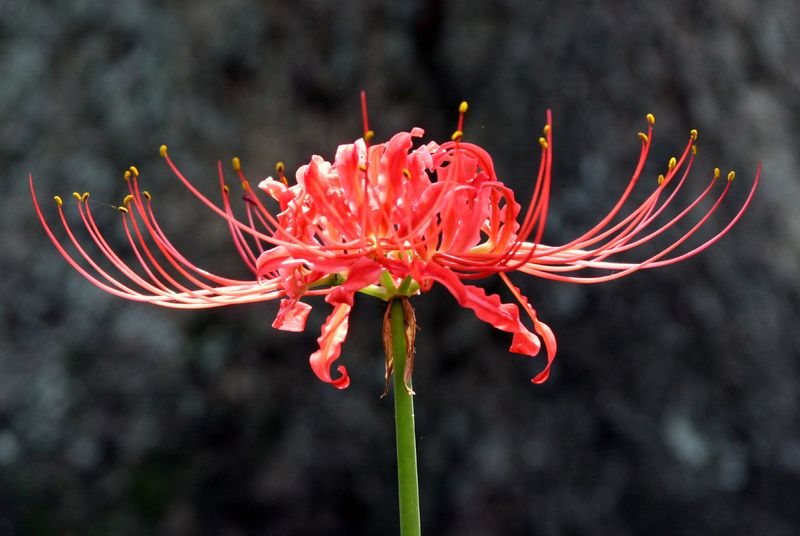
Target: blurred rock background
[673, 404]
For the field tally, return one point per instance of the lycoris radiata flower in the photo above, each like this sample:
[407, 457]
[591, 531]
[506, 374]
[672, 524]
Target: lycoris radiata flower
[390, 220]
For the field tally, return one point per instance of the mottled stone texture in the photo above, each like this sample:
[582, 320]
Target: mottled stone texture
[673, 406]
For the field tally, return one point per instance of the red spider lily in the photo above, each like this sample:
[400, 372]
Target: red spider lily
[390, 220]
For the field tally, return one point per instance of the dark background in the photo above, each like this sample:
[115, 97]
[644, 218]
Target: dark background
[673, 404]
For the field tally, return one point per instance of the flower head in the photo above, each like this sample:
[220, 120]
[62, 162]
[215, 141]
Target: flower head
[390, 220]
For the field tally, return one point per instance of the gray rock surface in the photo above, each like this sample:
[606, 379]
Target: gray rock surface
[673, 405]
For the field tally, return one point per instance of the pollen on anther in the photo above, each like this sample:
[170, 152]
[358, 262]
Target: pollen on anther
[543, 143]
[236, 163]
[672, 163]
[163, 151]
[76, 195]
[123, 210]
[643, 137]
[407, 174]
[462, 108]
[651, 119]
[660, 180]
[694, 150]
[279, 168]
[362, 167]
[693, 134]
[128, 198]
[134, 171]
[58, 200]
[457, 135]
[731, 176]
[85, 196]
[717, 172]
[126, 175]
[245, 185]
[146, 195]
[368, 135]
[226, 189]
[546, 130]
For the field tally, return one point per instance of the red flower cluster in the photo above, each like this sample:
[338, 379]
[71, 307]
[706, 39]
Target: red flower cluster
[390, 220]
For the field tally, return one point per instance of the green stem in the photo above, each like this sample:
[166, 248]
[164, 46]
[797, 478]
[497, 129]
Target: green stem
[408, 488]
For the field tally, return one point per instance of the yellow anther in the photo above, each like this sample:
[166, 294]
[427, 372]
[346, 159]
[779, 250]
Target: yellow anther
[694, 150]
[58, 200]
[226, 189]
[457, 135]
[76, 195]
[462, 108]
[643, 137]
[368, 135]
[716, 172]
[660, 180]
[163, 151]
[731, 176]
[85, 196]
[146, 195]
[693, 134]
[362, 167]
[128, 199]
[546, 130]
[279, 168]
[134, 171]
[127, 175]
[245, 185]
[407, 174]
[651, 119]
[123, 210]
[543, 143]
[672, 163]
[236, 163]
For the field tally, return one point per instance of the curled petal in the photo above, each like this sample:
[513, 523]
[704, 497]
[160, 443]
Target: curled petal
[330, 341]
[542, 329]
[489, 308]
[364, 272]
[292, 315]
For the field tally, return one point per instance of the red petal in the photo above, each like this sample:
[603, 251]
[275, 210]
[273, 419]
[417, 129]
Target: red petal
[330, 341]
[542, 329]
[362, 273]
[489, 308]
[292, 315]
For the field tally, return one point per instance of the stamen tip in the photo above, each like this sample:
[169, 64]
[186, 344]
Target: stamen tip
[651, 119]
[58, 200]
[368, 135]
[146, 195]
[693, 134]
[123, 210]
[134, 171]
[643, 137]
[128, 198]
[457, 135]
[279, 168]
[660, 180]
[76, 195]
[163, 151]
[236, 163]
[85, 196]
[543, 143]
[731, 176]
[717, 172]
[462, 108]
[127, 175]
[672, 163]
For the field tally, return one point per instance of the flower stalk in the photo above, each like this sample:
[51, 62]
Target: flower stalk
[400, 317]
